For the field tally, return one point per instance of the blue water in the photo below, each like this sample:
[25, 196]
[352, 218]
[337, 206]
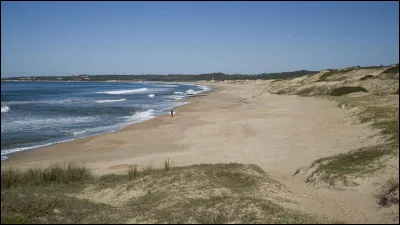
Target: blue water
[38, 114]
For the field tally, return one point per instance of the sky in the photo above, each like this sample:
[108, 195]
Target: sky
[71, 38]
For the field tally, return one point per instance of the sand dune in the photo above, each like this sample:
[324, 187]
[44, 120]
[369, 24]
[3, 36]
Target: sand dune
[236, 123]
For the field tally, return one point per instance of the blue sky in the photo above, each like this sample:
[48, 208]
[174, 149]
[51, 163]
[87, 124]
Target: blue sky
[65, 38]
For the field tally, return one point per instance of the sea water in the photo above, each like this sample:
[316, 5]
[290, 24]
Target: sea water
[38, 114]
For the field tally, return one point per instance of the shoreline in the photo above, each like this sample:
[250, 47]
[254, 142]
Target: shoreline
[231, 112]
[51, 144]
[237, 123]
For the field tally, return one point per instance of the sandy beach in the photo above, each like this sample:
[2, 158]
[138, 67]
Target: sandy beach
[235, 123]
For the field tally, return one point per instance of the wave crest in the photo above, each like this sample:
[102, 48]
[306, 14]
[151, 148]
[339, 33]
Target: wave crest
[79, 132]
[106, 101]
[121, 92]
[142, 116]
[5, 109]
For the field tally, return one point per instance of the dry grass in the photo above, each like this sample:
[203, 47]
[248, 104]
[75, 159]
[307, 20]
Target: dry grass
[365, 160]
[338, 167]
[167, 164]
[133, 172]
[389, 193]
[206, 193]
[55, 174]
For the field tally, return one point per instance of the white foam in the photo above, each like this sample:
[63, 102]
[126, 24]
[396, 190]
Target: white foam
[178, 92]
[191, 92]
[202, 87]
[8, 151]
[142, 116]
[167, 85]
[79, 132]
[138, 90]
[5, 109]
[68, 100]
[176, 97]
[107, 101]
[165, 106]
[151, 95]
[49, 122]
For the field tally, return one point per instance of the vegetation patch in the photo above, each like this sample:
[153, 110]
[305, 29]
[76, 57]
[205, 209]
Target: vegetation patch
[333, 72]
[347, 90]
[55, 174]
[338, 167]
[215, 211]
[50, 204]
[382, 113]
[389, 193]
[392, 70]
[205, 193]
[324, 76]
[366, 77]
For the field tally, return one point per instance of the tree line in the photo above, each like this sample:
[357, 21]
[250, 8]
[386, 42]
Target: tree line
[169, 77]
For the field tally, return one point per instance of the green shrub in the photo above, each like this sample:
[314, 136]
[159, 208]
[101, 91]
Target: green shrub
[347, 90]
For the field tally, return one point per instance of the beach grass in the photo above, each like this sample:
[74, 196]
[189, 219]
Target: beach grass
[347, 90]
[389, 192]
[363, 161]
[204, 193]
[54, 174]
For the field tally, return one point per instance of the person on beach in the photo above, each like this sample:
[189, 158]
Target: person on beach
[172, 113]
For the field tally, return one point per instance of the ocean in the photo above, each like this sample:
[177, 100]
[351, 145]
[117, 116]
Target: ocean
[38, 114]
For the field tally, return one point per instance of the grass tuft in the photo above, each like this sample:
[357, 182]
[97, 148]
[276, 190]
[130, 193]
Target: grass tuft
[167, 165]
[54, 174]
[389, 193]
[14, 219]
[133, 172]
[147, 170]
